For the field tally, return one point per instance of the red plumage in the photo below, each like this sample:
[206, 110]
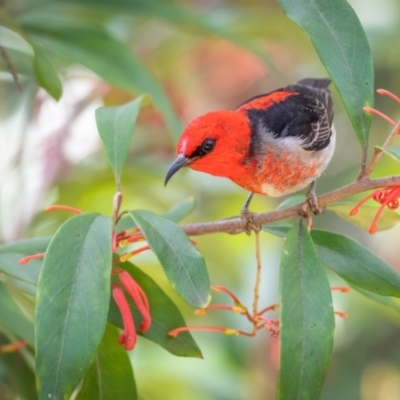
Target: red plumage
[273, 144]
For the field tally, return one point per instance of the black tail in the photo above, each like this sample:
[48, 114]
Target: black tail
[316, 83]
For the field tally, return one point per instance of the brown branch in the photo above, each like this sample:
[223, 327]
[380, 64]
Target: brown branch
[11, 69]
[235, 225]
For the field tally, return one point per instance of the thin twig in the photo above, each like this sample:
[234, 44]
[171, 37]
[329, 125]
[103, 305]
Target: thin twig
[235, 225]
[378, 152]
[258, 279]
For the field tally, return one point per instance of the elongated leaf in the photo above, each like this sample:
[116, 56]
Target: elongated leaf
[342, 46]
[205, 23]
[46, 74]
[356, 264]
[183, 264]
[115, 126]
[180, 210]
[10, 254]
[349, 259]
[72, 303]
[385, 300]
[91, 46]
[292, 201]
[110, 377]
[278, 228]
[176, 214]
[12, 318]
[165, 316]
[365, 214]
[306, 318]
[391, 151]
[12, 40]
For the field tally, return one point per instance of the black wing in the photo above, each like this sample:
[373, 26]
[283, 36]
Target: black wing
[307, 115]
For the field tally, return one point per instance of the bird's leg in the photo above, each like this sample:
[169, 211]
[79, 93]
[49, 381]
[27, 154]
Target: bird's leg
[313, 201]
[247, 217]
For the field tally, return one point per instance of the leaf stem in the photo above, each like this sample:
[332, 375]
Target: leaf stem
[378, 152]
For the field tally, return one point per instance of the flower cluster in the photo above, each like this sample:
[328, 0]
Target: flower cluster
[386, 197]
[258, 319]
[126, 282]
[128, 336]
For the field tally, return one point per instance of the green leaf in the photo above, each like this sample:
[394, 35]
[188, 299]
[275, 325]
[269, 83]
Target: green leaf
[184, 266]
[292, 201]
[12, 40]
[385, 300]
[278, 228]
[176, 213]
[165, 316]
[12, 318]
[392, 151]
[115, 126]
[340, 41]
[180, 210]
[356, 264]
[93, 47]
[111, 376]
[204, 23]
[306, 319]
[11, 253]
[46, 74]
[72, 303]
[365, 214]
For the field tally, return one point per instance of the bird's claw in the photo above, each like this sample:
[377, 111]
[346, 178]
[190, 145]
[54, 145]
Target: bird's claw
[313, 204]
[248, 223]
[313, 201]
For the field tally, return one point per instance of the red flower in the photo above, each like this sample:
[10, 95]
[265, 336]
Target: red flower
[128, 336]
[387, 197]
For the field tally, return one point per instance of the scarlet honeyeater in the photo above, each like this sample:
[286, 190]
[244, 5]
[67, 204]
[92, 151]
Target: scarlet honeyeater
[274, 144]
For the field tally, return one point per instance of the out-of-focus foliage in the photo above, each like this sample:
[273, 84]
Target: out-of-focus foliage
[191, 57]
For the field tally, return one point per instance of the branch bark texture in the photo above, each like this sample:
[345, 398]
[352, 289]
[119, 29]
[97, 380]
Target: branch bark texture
[235, 225]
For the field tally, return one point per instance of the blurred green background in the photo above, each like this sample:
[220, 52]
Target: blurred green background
[205, 55]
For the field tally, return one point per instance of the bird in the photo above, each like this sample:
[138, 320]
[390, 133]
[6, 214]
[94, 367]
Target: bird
[273, 144]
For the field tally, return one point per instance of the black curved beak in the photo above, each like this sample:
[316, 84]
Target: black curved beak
[180, 162]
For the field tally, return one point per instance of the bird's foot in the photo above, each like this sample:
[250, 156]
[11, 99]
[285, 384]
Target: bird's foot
[248, 223]
[313, 201]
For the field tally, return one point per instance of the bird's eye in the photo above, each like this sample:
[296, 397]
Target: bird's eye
[208, 145]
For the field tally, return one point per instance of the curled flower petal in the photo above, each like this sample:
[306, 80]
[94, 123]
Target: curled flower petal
[229, 293]
[380, 114]
[128, 337]
[12, 347]
[127, 256]
[26, 259]
[55, 207]
[341, 314]
[384, 92]
[138, 297]
[343, 289]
